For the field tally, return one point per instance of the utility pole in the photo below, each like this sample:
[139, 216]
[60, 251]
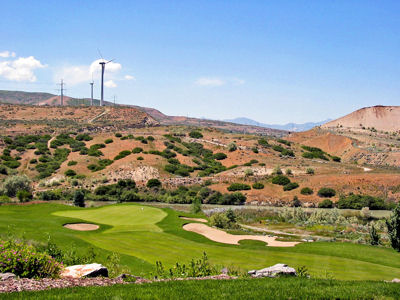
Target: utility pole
[62, 92]
[91, 93]
[114, 100]
[103, 65]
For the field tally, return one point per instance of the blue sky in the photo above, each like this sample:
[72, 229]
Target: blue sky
[272, 61]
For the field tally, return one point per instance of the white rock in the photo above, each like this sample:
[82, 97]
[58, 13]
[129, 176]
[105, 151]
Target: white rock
[275, 270]
[90, 270]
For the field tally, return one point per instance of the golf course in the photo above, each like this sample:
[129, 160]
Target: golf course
[142, 235]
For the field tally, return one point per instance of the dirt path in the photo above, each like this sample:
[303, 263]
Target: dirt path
[226, 238]
[106, 111]
[278, 231]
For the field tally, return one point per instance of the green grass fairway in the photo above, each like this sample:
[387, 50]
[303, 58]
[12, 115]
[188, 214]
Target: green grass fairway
[143, 235]
[281, 288]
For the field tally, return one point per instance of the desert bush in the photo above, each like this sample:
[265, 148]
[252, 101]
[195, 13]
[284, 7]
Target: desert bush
[118, 135]
[140, 158]
[25, 261]
[285, 142]
[296, 202]
[224, 220]
[70, 173]
[196, 206]
[288, 172]
[122, 154]
[336, 158]
[310, 171]
[235, 198]
[195, 134]
[83, 137]
[306, 191]
[153, 183]
[374, 237]
[108, 141]
[12, 184]
[4, 199]
[137, 150]
[238, 187]
[290, 186]
[220, 156]
[326, 192]
[232, 147]
[263, 142]
[24, 196]
[72, 163]
[277, 171]
[258, 186]
[326, 203]
[248, 172]
[281, 180]
[129, 196]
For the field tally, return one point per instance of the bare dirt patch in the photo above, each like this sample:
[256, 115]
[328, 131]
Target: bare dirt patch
[220, 236]
[82, 226]
[195, 219]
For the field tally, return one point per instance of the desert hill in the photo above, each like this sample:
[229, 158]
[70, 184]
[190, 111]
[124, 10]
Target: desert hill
[383, 118]
[43, 99]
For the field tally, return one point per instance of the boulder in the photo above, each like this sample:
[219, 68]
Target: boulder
[90, 270]
[274, 271]
[5, 276]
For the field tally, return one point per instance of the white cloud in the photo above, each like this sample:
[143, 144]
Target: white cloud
[216, 81]
[110, 84]
[129, 77]
[20, 69]
[205, 81]
[6, 54]
[73, 75]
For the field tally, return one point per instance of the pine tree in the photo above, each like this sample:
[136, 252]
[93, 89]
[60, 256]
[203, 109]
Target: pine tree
[79, 198]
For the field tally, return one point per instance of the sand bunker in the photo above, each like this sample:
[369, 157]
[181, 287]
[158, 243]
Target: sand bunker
[82, 226]
[226, 238]
[195, 219]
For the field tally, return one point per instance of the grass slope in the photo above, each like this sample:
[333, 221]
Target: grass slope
[145, 234]
[281, 288]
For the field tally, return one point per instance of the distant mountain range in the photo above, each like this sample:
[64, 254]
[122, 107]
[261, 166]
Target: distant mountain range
[289, 126]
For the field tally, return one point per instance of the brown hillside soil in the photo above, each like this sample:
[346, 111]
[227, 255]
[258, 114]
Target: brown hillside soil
[384, 118]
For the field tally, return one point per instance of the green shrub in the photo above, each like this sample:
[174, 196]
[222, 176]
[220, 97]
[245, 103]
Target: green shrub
[238, 187]
[393, 227]
[281, 180]
[72, 163]
[24, 196]
[235, 198]
[353, 201]
[150, 138]
[220, 156]
[306, 191]
[296, 202]
[140, 158]
[4, 199]
[118, 135]
[326, 203]
[13, 184]
[3, 170]
[122, 154]
[137, 150]
[153, 183]
[285, 142]
[336, 158]
[25, 261]
[129, 196]
[263, 142]
[290, 186]
[33, 161]
[195, 134]
[83, 137]
[326, 192]
[79, 198]
[232, 147]
[108, 141]
[258, 186]
[69, 173]
[310, 171]
[314, 152]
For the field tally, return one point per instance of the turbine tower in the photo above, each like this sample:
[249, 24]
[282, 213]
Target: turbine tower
[103, 66]
[91, 93]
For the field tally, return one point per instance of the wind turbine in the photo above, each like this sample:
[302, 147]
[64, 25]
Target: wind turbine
[103, 66]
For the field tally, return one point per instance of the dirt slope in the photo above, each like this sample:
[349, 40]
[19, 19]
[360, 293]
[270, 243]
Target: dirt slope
[384, 118]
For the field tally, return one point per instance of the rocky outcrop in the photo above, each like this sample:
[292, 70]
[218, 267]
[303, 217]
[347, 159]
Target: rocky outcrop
[90, 270]
[274, 271]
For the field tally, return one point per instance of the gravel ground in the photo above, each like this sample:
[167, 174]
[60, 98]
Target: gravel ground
[25, 284]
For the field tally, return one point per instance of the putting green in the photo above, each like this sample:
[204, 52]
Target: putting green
[120, 217]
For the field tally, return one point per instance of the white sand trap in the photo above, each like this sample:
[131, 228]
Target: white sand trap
[195, 219]
[220, 236]
[82, 226]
